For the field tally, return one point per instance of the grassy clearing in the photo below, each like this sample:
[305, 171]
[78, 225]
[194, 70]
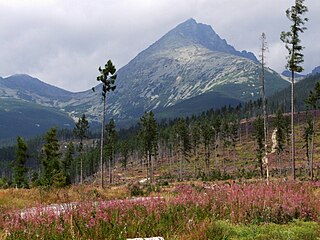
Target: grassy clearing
[11, 199]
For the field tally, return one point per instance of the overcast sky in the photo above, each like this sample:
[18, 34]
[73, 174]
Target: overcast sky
[63, 42]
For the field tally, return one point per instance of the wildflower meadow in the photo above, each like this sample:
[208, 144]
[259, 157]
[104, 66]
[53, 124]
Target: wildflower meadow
[187, 211]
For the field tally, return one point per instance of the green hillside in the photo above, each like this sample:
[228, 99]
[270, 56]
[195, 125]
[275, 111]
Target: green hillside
[302, 89]
[19, 118]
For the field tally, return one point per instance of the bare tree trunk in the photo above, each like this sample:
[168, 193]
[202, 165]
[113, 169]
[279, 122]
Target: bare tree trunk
[147, 165]
[151, 168]
[265, 129]
[215, 151]
[312, 148]
[180, 158]
[207, 157]
[75, 176]
[278, 164]
[292, 129]
[81, 169]
[247, 128]
[195, 160]
[170, 159]
[102, 143]
[110, 170]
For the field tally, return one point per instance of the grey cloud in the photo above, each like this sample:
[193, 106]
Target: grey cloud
[64, 42]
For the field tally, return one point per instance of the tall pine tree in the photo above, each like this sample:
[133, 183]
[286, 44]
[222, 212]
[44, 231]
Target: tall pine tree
[107, 78]
[258, 134]
[149, 137]
[19, 169]
[51, 160]
[67, 162]
[81, 132]
[295, 58]
[111, 138]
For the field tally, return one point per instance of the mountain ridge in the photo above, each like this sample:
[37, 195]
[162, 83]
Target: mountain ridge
[191, 32]
[189, 61]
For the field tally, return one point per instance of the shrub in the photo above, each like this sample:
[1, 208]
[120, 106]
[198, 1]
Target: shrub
[136, 190]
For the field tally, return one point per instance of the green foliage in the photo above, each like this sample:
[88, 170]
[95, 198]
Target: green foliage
[281, 124]
[215, 175]
[281, 99]
[51, 157]
[19, 169]
[111, 139]
[124, 150]
[81, 130]
[295, 57]
[136, 190]
[313, 100]
[149, 133]
[4, 183]
[59, 179]
[149, 138]
[196, 134]
[229, 129]
[107, 78]
[20, 119]
[67, 162]
[258, 134]
[291, 38]
[296, 230]
[110, 148]
[35, 179]
[206, 132]
[308, 132]
[181, 132]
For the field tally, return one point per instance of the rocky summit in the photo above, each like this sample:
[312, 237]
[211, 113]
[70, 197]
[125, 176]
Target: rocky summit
[188, 61]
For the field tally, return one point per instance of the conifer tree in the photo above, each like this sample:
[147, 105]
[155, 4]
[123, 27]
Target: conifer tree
[313, 102]
[280, 126]
[149, 138]
[181, 132]
[124, 148]
[19, 169]
[207, 134]
[81, 132]
[107, 78]
[308, 139]
[67, 161]
[217, 129]
[295, 58]
[258, 134]
[111, 138]
[51, 159]
[196, 136]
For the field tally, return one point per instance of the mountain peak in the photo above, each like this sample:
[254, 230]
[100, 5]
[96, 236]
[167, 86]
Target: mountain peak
[190, 32]
[190, 21]
[315, 71]
[27, 84]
